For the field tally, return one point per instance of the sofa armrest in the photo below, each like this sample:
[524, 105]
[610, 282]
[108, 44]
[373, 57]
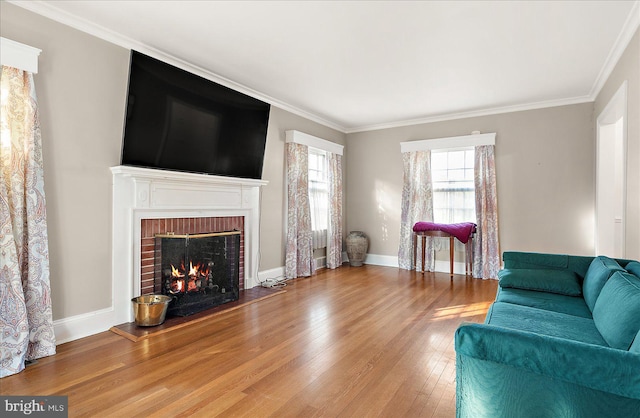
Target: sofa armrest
[596, 367]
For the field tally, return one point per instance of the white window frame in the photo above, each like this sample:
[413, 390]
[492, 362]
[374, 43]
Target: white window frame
[314, 142]
[451, 143]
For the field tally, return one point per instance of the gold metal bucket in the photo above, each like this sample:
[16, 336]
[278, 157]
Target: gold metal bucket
[150, 310]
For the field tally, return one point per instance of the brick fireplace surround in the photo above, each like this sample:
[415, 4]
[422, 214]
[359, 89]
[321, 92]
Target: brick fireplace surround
[146, 202]
[181, 226]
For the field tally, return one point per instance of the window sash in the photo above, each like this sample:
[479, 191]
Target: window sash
[319, 196]
[453, 185]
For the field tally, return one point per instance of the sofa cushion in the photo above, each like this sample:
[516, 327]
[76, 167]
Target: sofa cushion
[539, 321]
[599, 271]
[633, 268]
[563, 282]
[571, 305]
[617, 310]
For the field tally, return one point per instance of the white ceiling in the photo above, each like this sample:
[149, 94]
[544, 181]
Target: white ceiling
[362, 65]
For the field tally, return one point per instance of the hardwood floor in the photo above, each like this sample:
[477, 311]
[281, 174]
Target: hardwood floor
[352, 342]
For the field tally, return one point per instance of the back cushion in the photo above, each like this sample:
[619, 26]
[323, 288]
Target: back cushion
[599, 271]
[563, 282]
[617, 310]
[633, 268]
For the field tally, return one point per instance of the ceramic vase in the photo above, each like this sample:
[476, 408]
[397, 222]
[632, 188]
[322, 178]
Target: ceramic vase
[357, 245]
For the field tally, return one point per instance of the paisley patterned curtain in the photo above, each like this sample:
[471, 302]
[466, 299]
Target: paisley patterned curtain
[417, 205]
[299, 251]
[334, 240]
[486, 248]
[26, 323]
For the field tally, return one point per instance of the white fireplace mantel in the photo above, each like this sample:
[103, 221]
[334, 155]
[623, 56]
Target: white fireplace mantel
[141, 193]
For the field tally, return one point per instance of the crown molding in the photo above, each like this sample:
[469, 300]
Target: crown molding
[473, 114]
[622, 42]
[48, 10]
[620, 45]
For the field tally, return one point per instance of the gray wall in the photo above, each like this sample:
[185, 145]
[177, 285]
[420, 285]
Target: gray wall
[628, 68]
[544, 166]
[81, 87]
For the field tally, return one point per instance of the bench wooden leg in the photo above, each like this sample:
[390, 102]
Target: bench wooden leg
[415, 250]
[424, 244]
[451, 251]
[468, 257]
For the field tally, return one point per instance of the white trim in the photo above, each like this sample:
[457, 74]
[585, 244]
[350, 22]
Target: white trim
[84, 325]
[620, 45]
[472, 114]
[314, 142]
[48, 9]
[141, 193]
[20, 56]
[381, 260]
[90, 323]
[275, 273]
[151, 174]
[441, 266]
[465, 141]
[615, 109]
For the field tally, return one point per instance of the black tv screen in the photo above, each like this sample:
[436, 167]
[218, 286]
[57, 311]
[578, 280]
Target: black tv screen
[176, 120]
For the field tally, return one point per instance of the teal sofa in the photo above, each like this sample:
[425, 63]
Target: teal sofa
[562, 339]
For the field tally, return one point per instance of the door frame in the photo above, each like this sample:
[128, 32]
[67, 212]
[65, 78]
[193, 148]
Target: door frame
[615, 110]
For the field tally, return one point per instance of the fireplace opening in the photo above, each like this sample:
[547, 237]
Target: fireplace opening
[198, 271]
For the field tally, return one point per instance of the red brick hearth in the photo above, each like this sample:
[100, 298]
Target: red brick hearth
[180, 226]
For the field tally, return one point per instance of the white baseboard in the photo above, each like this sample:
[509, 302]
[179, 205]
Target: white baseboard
[275, 273]
[441, 266]
[90, 323]
[381, 260]
[83, 325]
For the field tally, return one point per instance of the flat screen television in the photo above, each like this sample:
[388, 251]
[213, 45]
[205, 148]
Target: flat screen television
[176, 120]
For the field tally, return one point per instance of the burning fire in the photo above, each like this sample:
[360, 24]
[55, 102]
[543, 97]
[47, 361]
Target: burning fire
[193, 271]
[195, 279]
[175, 272]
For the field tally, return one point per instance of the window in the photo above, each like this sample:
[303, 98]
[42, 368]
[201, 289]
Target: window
[453, 178]
[319, 196]
[453, 186]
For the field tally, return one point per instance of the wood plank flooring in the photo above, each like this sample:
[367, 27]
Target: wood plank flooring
[365, 341]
